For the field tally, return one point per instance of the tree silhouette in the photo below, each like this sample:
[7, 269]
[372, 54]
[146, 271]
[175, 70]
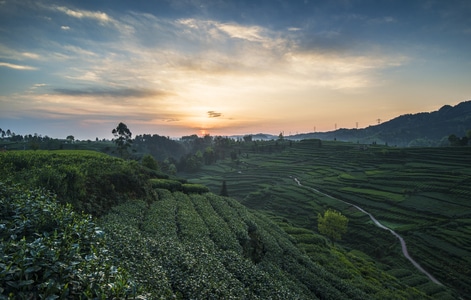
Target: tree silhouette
[123, 138]
[224, 190]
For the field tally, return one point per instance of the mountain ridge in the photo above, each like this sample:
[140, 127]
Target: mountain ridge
[419, 129]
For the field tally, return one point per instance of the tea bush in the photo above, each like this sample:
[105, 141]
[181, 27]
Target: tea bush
[91, 181]
[48, 251]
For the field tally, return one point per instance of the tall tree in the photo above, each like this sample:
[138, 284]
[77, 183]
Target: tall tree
[332, 224]
[224, 190]
[123, 138]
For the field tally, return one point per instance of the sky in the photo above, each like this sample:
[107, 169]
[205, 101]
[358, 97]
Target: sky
[226, 67]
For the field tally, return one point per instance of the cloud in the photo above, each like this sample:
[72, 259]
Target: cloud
[78, 51]
[84, 14]
[213, 114]
[65, 27]
[17, 67]
[9, 53]
[30, 55]
[115, 93]
[38, 85]
[250, 33]
[382, 20]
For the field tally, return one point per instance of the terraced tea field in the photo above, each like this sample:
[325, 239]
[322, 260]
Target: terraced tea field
[422, 193]
[212, 247]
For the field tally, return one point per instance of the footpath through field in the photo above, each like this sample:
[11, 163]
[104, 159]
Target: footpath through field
[377, 223]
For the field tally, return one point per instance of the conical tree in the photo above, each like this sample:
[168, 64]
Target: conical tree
[224, 190]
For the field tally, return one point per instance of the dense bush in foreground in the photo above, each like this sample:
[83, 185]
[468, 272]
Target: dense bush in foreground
[48, 251]
[92, 182]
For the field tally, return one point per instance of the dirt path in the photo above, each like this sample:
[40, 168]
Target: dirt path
[377, 223]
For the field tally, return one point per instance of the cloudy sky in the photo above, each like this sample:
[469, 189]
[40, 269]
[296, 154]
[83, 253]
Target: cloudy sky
[223, 67]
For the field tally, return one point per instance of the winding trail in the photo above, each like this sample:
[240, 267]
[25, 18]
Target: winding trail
[377, 223]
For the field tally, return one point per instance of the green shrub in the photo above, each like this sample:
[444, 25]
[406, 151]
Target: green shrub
[149, 161]
[48, 251]
[166, 184]
[192, 188]
[91, 181]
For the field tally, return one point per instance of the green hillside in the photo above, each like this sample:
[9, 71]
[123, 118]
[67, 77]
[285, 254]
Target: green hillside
[421, 193]
[411, 130]
[167, 244]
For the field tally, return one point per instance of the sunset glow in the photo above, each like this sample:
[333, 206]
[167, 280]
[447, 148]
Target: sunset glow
[227, 67]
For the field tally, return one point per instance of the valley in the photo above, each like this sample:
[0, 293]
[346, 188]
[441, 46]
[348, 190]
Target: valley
[421, 193]
[165, 236]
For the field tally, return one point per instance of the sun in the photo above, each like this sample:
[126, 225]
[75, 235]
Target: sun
[204, 132]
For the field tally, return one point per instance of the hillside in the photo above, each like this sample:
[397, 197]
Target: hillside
[421, 193]
[421, 129]
[182, 245]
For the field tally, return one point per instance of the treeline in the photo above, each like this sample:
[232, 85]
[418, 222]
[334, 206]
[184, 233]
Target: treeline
[188, 154]
[209, 150]
[457, 141]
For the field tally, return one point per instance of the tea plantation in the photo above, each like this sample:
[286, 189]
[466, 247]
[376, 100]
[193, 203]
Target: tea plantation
[421, 193]
[151, 236]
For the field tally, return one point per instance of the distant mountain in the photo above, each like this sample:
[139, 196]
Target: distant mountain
[421, 129]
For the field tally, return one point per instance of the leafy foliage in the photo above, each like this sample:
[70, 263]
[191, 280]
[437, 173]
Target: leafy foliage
[177, 186]
[333, 224]
[48, 251]
[123, 138]
[91, 181]
[148, 161]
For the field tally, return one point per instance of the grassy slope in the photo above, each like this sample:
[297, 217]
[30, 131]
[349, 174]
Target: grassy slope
[422, 193]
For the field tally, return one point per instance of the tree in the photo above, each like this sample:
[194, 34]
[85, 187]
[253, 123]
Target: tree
[454, 140]
[149, 161]
[70, 138]
[224, 190]
[209, 156]
[123, 138]
[332, 224]
[281, 136]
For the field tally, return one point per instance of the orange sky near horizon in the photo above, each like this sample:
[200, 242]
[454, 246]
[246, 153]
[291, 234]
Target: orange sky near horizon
[230, 68]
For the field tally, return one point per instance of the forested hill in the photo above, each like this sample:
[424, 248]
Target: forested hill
[421, 129]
